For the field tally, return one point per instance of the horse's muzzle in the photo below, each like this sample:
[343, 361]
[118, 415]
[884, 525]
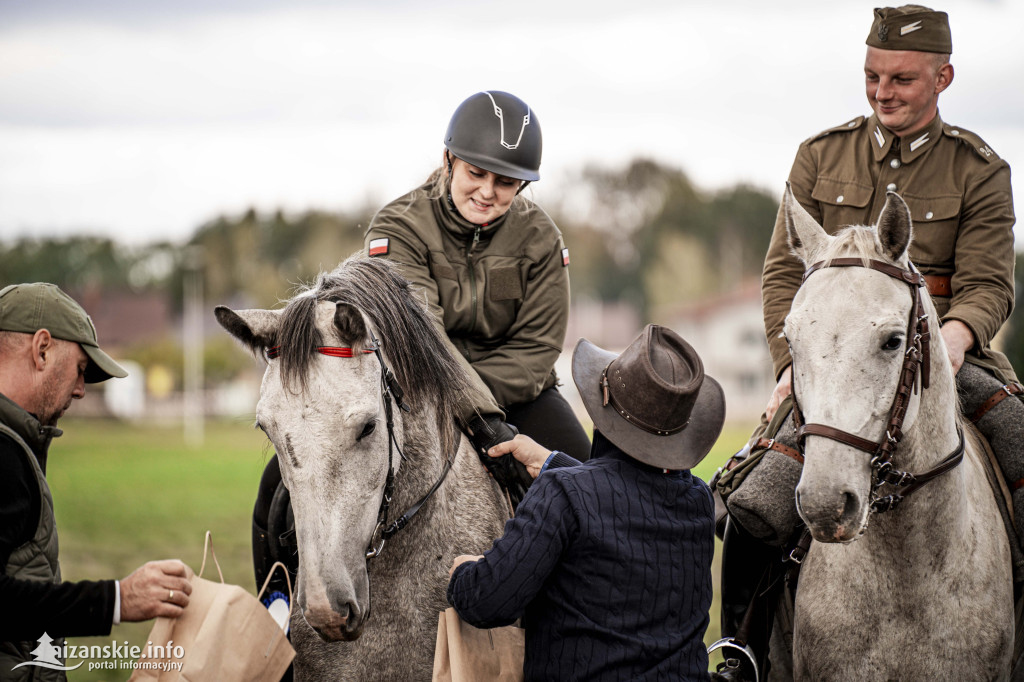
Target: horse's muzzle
[832, 516]
[333, 626]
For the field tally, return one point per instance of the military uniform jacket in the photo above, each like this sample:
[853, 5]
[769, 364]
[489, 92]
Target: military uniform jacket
[961, 206]
[500, 292]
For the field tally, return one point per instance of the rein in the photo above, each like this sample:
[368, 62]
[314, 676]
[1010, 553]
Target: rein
[392, 394]
[916, 363]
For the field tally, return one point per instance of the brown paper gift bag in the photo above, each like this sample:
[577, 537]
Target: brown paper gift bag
[225, 634]
[464, 653]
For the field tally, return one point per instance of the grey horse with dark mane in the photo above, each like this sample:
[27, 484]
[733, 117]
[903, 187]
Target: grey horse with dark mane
[345, 356]
[896, 586]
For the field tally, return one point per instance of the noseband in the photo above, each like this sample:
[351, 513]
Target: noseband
[917, 359]
[392, 394]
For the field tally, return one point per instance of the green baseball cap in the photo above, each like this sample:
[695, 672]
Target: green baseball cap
[910, 27]
[27, 308]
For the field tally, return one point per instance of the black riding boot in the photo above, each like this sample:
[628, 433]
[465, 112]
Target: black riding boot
[751, 580]
[273, 535]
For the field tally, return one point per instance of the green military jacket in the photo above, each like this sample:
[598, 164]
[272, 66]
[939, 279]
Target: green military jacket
[499, 292]
[961, 206]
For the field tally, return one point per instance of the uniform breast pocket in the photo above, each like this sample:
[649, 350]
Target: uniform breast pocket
[505, 284]
[936, 221]
[842, 202]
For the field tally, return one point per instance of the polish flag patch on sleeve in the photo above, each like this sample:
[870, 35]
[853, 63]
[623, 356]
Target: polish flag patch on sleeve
[565, 258]
[379, 247]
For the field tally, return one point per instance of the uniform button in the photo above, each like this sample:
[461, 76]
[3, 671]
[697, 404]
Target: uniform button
[839, 199]
[895, 163]
[891, 187]
[954, 132]
[928, 215]
[851, 124]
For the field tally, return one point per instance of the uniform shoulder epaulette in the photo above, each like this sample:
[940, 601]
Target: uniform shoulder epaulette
[970, 139]
[852, 124]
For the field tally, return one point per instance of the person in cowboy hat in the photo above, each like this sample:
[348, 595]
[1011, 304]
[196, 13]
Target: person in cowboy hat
[631, 524]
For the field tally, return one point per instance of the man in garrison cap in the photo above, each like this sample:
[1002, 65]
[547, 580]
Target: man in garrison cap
[958, 191]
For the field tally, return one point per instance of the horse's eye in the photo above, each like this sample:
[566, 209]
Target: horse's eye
[894, 342]
[368, 429]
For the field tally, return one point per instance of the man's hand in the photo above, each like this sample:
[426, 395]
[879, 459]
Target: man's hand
[959, 340]
[461, 559]
[782, 389]
[157, 588]
[526, 450]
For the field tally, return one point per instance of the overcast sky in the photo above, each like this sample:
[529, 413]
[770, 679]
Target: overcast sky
[143, 120]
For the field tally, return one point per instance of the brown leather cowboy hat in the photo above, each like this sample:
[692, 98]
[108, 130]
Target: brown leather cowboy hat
[653, 401]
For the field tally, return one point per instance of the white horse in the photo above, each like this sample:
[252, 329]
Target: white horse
[334, 412]
[922, 591]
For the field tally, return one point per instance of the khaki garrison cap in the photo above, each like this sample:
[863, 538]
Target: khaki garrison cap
[27, 308]
[910, 27]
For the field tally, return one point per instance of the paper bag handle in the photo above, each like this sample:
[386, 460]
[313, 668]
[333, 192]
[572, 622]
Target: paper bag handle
[208, 545]
[288, 580]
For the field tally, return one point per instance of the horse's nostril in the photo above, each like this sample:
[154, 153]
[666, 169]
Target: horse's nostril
[851, 506]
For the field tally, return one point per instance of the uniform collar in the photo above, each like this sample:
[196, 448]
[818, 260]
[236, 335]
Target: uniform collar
[911, 147]
[602, 448]
[458, 225]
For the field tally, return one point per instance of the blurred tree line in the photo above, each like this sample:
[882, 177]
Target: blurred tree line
[643, 235]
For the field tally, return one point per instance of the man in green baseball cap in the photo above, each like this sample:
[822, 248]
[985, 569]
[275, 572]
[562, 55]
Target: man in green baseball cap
[48, 352]
[27, 308]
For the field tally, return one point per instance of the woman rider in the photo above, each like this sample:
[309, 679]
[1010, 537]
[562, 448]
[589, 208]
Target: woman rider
[493, 270]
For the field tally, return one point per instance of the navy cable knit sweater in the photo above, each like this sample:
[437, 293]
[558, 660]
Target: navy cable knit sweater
[608, 564]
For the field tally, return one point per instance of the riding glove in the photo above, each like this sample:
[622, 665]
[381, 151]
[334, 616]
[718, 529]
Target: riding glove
[485, 433]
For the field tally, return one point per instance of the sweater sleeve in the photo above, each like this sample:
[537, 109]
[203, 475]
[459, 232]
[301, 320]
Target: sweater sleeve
[496, 589]
[79, 609]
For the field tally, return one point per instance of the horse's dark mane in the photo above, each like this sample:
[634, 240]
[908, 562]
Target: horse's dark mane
[410, 340]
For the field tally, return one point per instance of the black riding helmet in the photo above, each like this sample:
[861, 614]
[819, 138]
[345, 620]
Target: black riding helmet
[498, 132]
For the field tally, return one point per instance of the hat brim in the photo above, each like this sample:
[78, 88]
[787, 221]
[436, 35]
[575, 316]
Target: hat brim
[101, 366]
[682, 450]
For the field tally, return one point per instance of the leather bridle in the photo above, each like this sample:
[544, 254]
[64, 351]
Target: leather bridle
[391, 394]
[916, 363]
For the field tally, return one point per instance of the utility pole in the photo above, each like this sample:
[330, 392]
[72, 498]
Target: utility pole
[193, 404]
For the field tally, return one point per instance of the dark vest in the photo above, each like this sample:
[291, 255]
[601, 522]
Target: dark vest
[34, 560]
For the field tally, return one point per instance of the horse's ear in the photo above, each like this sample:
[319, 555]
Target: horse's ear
[350, 324]
[257, 329]
[805, 235]
[894, 227]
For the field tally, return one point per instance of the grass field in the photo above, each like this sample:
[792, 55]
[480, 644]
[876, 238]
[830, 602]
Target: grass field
[126, 494]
